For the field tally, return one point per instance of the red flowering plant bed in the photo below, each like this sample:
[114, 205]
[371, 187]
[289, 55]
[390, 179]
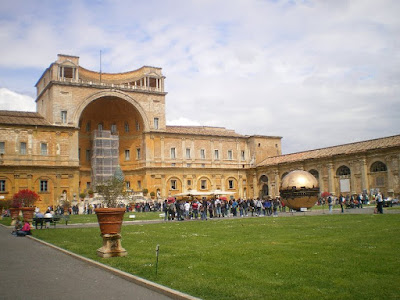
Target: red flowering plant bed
[25, 198]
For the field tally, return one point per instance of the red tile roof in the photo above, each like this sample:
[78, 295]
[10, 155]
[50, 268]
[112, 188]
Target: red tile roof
[22, 118]
[203, 130]
[358, 147]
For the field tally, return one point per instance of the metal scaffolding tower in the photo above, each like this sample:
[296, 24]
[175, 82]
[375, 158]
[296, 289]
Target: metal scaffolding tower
[105, 153]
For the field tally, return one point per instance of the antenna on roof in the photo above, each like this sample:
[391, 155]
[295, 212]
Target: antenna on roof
[100, 66]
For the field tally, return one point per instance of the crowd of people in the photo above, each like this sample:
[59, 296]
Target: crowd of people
[218, 208]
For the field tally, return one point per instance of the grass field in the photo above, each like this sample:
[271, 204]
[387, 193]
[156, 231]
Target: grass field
[308, 257]
[78, 219]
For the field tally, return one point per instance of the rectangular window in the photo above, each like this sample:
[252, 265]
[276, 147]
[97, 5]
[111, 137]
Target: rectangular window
[173, 184]
[43, 148]
[2, 185]
[126, 127]
[64, 117]
[100, 127]
[22, 148]
[242, 156]
[188, 153]
[173, 165]
[128, 185]
[137, 126]
[87, 154]
[88, 126]
[137, 153]
[2, 147]
[188, 165]
[88, 185]
[230, 184]
[43, 185]
[139, 185]
[230, 156]
[113, 128]
[127, 155]
[203, 185]
[216, 154]
[203, 165]
[202, 154]
[189, 182]
[173, 154]
[155, 123]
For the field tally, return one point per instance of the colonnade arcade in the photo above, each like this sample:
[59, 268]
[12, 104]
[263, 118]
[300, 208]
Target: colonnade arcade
[347, 177]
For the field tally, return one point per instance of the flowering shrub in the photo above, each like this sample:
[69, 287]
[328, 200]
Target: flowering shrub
[24, 198]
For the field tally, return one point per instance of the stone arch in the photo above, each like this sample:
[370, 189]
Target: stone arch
[263, 178]
[235, 181]
[178, 180]
[264, 185]
[314, 172]
[110, 93]
[343, 170]
[204, 177]
[284, 174]
[378, 166]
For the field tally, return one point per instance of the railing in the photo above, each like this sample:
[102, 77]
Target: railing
[112, 85]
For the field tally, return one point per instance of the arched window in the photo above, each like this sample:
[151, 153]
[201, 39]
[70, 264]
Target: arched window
[263, 178]
[378, 166]
[314, 173]
[343, 171]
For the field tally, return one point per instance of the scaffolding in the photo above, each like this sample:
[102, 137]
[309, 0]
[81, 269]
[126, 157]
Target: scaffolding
[105, 151]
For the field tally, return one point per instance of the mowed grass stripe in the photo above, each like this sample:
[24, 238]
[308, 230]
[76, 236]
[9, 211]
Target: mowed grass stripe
[312, 257]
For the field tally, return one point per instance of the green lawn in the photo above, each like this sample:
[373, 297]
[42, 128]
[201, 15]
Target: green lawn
[307, 257]
[77, 219]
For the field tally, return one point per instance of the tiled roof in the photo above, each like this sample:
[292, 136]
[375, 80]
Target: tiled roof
[381, 143]
[22, 118]
[203, 130]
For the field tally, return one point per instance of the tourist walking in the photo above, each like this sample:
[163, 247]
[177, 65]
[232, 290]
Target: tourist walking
[330, 203]
[379, 203]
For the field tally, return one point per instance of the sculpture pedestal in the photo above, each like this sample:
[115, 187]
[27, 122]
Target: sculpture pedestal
[111, 246]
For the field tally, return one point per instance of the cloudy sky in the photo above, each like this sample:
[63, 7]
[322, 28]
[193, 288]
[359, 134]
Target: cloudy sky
[317, 73]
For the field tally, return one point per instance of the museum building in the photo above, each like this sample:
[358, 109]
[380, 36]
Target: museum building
[89, 123]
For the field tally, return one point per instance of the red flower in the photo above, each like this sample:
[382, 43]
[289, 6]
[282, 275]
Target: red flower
[25, 198]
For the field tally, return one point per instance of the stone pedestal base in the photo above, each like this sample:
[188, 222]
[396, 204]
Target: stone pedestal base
[111, 246]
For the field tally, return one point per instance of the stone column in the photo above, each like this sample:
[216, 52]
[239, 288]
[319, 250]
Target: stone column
[331, 178]
[162, 152]
[364, 174]
[388, 161]
[320, 178]
[277, 182]
[352, 178]
[240, 186]
[164, 193]
[57, 189]
[255, 186]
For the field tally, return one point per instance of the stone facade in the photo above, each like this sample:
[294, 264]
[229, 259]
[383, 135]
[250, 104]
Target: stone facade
[50, 151]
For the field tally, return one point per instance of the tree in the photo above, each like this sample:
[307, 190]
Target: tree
[25, 198]
[112, 189]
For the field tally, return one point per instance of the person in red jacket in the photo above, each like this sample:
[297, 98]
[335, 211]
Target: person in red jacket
[26, 230]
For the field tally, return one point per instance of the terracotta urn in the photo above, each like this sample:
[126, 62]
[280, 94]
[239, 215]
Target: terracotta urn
[27, 214]
[14, 212]
[110, 222]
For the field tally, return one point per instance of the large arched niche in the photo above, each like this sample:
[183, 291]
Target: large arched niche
[110, 94]
[123, 119]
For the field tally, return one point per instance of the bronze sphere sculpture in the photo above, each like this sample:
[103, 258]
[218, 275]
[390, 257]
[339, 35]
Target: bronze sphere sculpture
[299, 189]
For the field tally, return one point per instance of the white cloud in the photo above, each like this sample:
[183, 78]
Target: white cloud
[10, 100]
[259, 67]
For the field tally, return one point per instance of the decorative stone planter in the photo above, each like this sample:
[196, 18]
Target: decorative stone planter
[14, 212]
[27, 214]
[110, 222]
